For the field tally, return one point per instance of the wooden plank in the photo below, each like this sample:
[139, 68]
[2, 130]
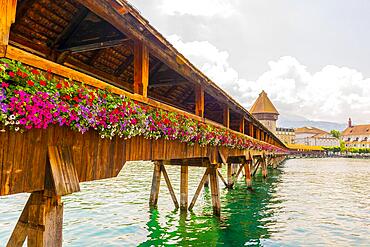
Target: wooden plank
[184, 187]
[199, 101]
[169, 186]
[156, 182]
[62, 170]
[141, 68]
[241, 125]
[215, 191]
[123, 66]
[7, 13]
[199, 189]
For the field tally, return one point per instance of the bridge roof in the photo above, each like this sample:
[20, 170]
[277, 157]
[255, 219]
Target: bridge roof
[263, 105]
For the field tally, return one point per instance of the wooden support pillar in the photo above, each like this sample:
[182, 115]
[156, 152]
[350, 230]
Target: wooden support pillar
[184, 188]
[141, 68]
[199, 101]
[226, 116]
[264, 165]
[215, 191]
[156, 182]
[248, 177]
[241, 125]
[7, 13]
[42, 218]
[230, 182]
[251, 130]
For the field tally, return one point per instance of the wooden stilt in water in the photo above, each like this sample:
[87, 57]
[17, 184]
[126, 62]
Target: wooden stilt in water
[206, 183]
[200, 186]
[222, 178]
[156, 182]
[215, 191]
[230, 182]
[169, 186]
[238, 173]
[184, 188]
[264, 166]
[248, 178]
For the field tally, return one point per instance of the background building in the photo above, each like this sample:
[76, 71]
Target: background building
[265, 112]
[312, 136]
[357, 136]
[287, 135]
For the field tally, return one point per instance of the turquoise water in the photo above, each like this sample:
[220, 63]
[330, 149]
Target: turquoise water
[305, 202]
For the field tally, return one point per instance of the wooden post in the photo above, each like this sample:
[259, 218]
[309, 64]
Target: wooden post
[141, 68]
[226, 116]
[199, 101]
[248, 178]
[230, 182]
[7, 13]
[251, 130]
[241, 125]
[264, 166]
[215, 191]
[156, 182]
[184, 188]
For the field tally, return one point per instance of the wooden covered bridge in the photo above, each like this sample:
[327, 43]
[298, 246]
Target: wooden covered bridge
[87, 85]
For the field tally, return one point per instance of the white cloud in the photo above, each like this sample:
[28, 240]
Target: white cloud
[331, 94]
[205, 8]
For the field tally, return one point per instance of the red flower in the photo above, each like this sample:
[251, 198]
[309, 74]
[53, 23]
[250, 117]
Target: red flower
[66, 84]
[49, 71]
[104, 96]
[59, 86]
[43, 83]
[24, 75]
[35, 72]
[4, 84]
[11, 74]
[67, 97]
[133, 121]
[76, 99]
[30, 83]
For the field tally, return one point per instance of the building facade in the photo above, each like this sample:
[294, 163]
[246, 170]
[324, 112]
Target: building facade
[287, 135]
[264, 111]
[357, 136]
[312, 136]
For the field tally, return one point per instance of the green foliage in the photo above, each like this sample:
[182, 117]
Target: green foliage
[335, 133]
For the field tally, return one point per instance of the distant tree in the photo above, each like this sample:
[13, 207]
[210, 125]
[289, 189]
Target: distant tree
[335, 133]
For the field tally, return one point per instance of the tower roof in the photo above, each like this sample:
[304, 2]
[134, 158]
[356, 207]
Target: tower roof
[263, 105]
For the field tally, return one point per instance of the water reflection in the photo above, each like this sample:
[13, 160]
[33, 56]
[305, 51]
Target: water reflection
[316, 202]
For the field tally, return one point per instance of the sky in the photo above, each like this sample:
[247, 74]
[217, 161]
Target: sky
[312, 57]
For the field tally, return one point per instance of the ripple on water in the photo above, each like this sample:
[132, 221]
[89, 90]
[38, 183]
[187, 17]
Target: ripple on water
[306, 202]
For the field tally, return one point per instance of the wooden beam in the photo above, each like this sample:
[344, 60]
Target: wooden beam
[123, 66]
[248, 178]
[251, 129]
[141, 68]
[222, 178]
[154, 70]
[199, 189]
[226, 116]
[71, 28]
[184, 188]
[199, 101]
[215, 191]
[22, 8]
[7, 13]
[94, 46]
[230, 182]
[167, 84]
[156, 182]
[169, 186]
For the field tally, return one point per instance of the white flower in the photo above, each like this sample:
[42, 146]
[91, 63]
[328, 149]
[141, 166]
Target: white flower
[102, 136]
[12, 117]
[16, 128]
[17, 122]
